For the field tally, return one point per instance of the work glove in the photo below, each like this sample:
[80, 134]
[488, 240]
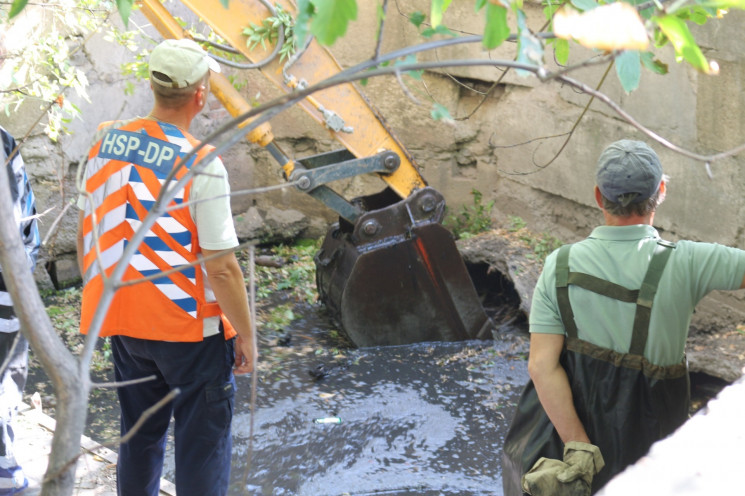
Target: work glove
[542, 480]
[583, 462]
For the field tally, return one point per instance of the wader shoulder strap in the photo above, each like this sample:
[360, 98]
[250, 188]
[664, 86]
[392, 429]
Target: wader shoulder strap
[642, 297]
[562, 291]
[646, 296]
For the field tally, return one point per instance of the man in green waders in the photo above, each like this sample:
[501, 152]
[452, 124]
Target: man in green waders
[608, 323]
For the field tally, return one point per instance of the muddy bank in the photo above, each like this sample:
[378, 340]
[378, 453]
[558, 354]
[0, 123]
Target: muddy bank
[716, 349]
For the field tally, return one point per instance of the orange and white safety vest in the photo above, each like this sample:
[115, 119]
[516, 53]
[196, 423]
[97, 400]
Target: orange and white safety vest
[125, 172]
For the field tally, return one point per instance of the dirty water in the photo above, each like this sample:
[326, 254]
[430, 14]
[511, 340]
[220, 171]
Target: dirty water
[423, 419]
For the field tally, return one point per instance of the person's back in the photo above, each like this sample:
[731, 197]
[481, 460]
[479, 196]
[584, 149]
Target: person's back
[175, 326]
[609, 321]
[621, 254]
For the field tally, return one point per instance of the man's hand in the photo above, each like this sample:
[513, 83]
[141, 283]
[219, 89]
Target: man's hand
[542, 480]
[246, 356]
[226, 280]
[584, 461]
[552, 385]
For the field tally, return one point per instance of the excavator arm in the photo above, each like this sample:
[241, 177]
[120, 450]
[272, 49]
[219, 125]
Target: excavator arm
[388, 270]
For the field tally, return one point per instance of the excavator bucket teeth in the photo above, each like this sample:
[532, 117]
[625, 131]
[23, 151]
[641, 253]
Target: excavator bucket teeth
[396, 277]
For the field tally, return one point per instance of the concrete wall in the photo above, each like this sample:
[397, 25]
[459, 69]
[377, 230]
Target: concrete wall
[510, 148]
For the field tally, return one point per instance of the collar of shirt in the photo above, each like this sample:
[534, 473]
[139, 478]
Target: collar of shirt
[624, 233]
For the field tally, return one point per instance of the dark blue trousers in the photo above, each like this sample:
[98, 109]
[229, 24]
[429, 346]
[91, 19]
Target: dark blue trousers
[202, 412]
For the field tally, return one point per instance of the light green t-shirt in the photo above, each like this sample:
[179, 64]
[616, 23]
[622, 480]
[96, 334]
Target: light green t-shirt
[621, 255]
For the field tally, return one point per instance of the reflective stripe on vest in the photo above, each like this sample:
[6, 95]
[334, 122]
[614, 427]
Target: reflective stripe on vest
[125, 174]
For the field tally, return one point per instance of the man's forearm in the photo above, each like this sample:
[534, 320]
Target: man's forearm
[556, 398]
[226, 280]
[552, 384]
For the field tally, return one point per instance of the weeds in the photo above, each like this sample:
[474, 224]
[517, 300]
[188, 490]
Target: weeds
[63, 309]
[296, 275]
[278, 317]
[542, 244]
[516, 223]
[472, 219]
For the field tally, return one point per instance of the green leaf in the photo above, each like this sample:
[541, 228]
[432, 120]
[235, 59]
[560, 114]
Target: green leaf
[440, 113]
[723, 4]
[16, 8]
[305, 12]
[496, 29]
[550, 9]
[441, 29]
[682, 40]
[480, 4]
[380, 14]
[331, 19]
[125, 9]
[584, 5]
[224, 3]
[629, 69]
[410, 59]
[437, 10]
[561, 51]
[698, 15]
[653, 64]
[417, 18]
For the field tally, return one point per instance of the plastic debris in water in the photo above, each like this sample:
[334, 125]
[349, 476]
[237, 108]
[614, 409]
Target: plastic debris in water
[327, 420]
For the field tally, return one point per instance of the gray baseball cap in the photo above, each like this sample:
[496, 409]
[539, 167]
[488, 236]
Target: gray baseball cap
[182, 61]
[628, 172]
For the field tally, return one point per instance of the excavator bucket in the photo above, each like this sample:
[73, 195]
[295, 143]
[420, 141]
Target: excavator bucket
[396, 277]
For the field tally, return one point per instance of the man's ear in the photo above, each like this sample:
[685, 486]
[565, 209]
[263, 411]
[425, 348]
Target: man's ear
[598, 197]
[201, 96]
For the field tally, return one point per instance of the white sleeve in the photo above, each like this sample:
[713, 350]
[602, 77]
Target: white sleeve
[212, 213]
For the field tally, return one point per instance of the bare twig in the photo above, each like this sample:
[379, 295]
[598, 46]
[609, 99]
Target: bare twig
[706, 159]
[9, 356]
[568, 134]
[181, 268]
[527, 142]
[379, 44]
[129, 435]
[37, 216]
[578, 120]
[405, 89]
[55, 225]
[240, 192]
[255, 373]
[106, 385]
[146, 415]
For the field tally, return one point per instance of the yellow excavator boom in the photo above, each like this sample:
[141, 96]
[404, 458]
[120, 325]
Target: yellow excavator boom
[388, 270]
[368, 134]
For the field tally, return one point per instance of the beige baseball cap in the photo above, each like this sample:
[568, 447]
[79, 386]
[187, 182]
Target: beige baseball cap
[180, 63]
